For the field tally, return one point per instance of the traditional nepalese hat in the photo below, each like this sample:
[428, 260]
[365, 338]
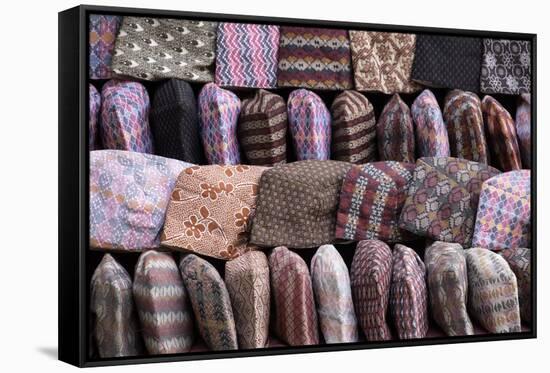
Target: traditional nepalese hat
[262, 129]
[310, 125]
[395, 132]
[175, 122]
[218, 115]
[95, 106]
[247, 281]
[430, 131]
[442, 198]
[371, 200]
[519, 260]
[297, 204]
[448, 287]
[103, 30]
[371, 270]
[129, 193]
[211, 303]
[523, 128]
[115, 323]
[332, 289]
[493, 291]
[295, 313]
[353, 128]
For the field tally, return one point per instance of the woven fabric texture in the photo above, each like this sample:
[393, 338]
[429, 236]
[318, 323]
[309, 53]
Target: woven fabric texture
[523, 128]
[103, 30]
[519, 260]
[431, 133]
[395, 132]
[93, 120]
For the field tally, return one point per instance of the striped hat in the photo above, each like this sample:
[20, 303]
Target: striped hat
[103, 30]
[262, 129]
[95, 106]
[395, 132]
[519, 260]
[353, 128]
[523, 128]
[431, 134]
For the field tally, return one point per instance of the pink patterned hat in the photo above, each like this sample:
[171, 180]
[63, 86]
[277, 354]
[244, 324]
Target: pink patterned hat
[431, 134]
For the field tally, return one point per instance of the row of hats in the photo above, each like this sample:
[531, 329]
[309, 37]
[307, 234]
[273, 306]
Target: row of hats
[219, 127]
[269, 56]
[386, 294]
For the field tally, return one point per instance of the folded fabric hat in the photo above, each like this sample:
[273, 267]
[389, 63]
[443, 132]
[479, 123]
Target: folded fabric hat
[353, 128]
[506, 66]
[95, 106]
[210, 208]
[431, 134]
[125, 117]
[370, 283]
[310, 125]
[297, 204]
[262, 129]
[246, 55]
[448, 287]
[129, 193]
[519, 260]
[464, 120]
[501, 133]
[162, 48]
[371, 200]
[493, 292]
[102, 32]
[504, 213]
[115, 325]
[247, 281]
[295, 314]
[163, 304]
[316, 58]
[211, 303]
[408, 294]
[175, 122]
[332, 289]
[442, 198]
[523, 128]
[447, 61]
[382, 61]
[395, 132]
[218, 115]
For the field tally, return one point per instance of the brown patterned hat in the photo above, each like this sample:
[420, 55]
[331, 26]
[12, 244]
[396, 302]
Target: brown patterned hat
[519, 260]
[395, 132]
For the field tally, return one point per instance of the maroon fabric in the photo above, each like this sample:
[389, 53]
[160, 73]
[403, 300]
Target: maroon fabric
[395, 132]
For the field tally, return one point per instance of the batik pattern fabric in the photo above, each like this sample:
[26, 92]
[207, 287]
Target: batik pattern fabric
[95, 106]
[395, 132]
[129, 194]
[432, 139]
[295, 314]
[315, 58]
[246, 55]
[442, 198]
[163, 48]
[519, 260]
[247, 281]
[103, 30]
[523, 128]
[371, 270]
[211, 303]
[332, 289]
[506, 66]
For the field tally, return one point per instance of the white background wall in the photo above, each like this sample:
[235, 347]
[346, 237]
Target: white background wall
[28, 183]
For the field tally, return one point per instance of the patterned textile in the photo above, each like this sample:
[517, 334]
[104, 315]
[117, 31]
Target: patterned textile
[501, 133]
[175, 122]
[331, 286]
[295, 314]
[163, 305]
[211, 303]
[129, 193]
[310, 125]
[370, 283]
[493, 292]
[247, 281]
[353, 128]
[395, 132]
[431, 134]
[448, 61]
[519, 260]
[102, 32]
[115, 326]
[95, 105]
[382, 61]
[262, 129]
[246, 55]
[297, 204]
[371, 200]
[442, 198]
[523, 128]
[448, 287]
[162, 48]
[464, 120]
[506, 66]
[504, 212]
[125, 117]
[218, 115]
[314, 58]
[209, 210]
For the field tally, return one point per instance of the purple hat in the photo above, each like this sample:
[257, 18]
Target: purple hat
[431, 134]
[95, 105]
[395, 132]
[103, 32]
